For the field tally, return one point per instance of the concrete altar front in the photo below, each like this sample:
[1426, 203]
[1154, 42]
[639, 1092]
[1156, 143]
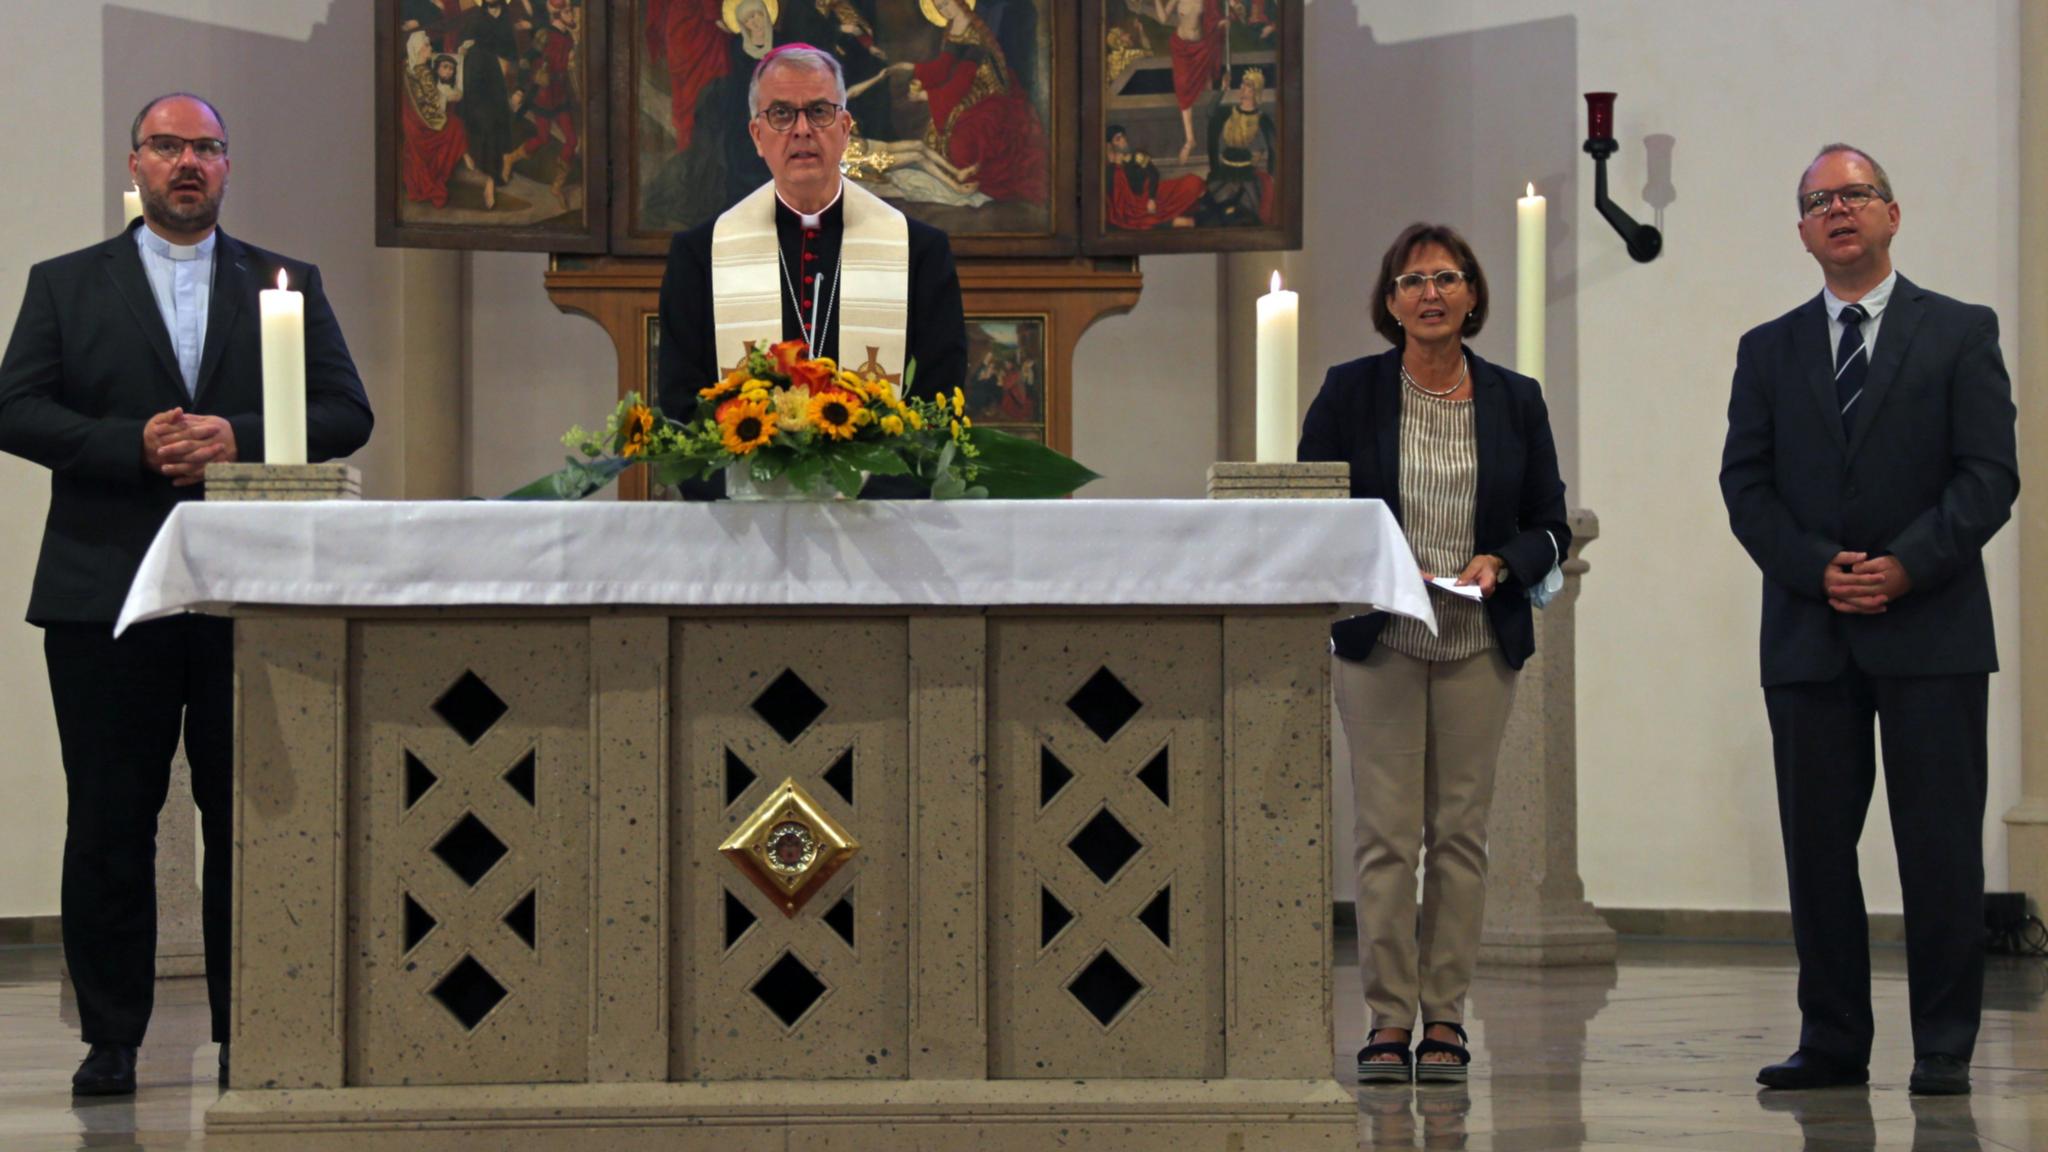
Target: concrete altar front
[481, 897]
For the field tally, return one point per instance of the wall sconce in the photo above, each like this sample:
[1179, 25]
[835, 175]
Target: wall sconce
[1644, 242]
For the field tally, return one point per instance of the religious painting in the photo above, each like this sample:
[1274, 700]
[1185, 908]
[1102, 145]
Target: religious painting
[650, 327]
[1192, 126]
[491, 124]
[963, 112]
[1006, 374]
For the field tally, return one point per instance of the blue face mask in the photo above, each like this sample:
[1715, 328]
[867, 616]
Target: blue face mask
[1545, 590]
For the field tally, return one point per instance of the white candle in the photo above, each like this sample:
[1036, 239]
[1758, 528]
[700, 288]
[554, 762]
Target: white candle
[284, 374]
[1279, 367]
[1530, 283]
[131, 205]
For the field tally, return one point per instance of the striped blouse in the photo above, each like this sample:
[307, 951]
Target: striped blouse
[1439, 498]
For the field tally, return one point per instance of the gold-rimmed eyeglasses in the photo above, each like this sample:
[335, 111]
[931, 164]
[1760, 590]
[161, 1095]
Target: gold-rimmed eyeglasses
[1447, 281]
[1852, 196]
[821, 113]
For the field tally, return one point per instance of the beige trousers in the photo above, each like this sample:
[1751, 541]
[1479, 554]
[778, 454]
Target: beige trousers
[1424, 738]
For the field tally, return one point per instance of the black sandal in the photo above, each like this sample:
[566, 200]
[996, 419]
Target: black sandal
[1371, 1071]
[1436, 1072]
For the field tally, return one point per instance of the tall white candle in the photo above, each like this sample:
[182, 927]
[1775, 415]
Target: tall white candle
[1530, 283]
[284, 374]
[131, 205]
[1279, 367]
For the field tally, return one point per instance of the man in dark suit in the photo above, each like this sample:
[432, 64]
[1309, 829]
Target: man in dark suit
[1869, 459]
[134, 364]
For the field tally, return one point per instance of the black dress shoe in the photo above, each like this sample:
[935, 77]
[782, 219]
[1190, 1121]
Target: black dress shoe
[107, 1070]
[1808, 1068]
[1940, 1074]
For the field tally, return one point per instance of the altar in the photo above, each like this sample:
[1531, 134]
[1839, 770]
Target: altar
[874, 825]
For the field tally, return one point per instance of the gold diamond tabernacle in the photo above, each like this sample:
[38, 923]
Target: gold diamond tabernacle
[789, 847]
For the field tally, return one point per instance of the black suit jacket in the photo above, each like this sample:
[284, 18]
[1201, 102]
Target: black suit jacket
[1929, 475]
[1356, 418]
[90, 362]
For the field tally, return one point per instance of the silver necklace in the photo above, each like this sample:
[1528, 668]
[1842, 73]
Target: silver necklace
[813, 329]
[1455, 384]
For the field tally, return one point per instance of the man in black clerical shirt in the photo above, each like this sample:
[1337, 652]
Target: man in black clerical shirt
[838, 252]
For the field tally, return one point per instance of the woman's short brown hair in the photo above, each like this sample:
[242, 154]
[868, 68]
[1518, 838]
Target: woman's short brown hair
[1411, 238]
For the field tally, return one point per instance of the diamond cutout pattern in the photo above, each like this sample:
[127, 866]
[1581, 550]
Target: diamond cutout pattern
[469, 992]
[788, 706]
[839, 918]
[840, 776]
[521, 919]
[788, 989]
[470, 849]
[738, 918]
[418, 922]
[1154, 776]
[1052, 776]
[470, 707]
[737, 777]
[1104, 704]
[1104, 845]
[1053, 916]
[419, 779]
[1105, 988]
[1158, 916]
[520, 777]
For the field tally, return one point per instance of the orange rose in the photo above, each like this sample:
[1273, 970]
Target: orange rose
[786, 355]
[811, 375]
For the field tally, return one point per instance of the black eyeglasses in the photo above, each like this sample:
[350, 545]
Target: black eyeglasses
[1446, 281]
[821, 113]
[169, 148]
[1852, 196]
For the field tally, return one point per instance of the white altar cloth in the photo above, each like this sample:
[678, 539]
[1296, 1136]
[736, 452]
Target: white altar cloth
[361, 554]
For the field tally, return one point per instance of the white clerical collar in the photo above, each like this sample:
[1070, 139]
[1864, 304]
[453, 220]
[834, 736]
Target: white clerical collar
[810, 220]
[149, 239]
[1873, 301]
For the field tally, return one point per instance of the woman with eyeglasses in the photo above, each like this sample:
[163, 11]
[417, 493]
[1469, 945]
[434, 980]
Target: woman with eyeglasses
[1461, 451]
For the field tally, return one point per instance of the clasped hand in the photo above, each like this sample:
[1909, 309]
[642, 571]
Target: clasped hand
[180, 444]
[1860, 586]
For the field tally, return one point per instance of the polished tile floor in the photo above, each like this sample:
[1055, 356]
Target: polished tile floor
[1658, 1052]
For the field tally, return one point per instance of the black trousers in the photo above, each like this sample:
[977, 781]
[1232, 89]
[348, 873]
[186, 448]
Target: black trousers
[1935, 767]
[120, 707]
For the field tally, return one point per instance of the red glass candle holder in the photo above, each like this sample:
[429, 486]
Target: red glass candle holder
[1599, 115]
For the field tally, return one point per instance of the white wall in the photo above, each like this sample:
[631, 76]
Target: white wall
[292, 78]
[1677, 806]
[1439, 110]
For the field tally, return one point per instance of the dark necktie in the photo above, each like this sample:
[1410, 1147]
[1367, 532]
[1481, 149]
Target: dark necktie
[1852, 364]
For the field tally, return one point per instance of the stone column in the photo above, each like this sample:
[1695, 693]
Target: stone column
[180, 945]
[1536, 909]
[2026, 823]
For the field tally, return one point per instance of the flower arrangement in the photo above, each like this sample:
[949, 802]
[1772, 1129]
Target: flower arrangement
[780, 415]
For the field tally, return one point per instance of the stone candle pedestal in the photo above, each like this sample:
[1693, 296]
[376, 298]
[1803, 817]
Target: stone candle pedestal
[1536, 909]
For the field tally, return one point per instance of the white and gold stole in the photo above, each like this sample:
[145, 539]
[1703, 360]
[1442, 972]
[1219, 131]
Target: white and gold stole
[874, 288]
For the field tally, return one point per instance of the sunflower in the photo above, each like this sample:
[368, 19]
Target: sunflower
[746, 425]
[835, 413]
[733, 381]
[637, 428]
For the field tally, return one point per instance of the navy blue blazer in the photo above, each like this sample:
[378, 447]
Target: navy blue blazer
[1356, 418]
[1929, 476]
[90, 362]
